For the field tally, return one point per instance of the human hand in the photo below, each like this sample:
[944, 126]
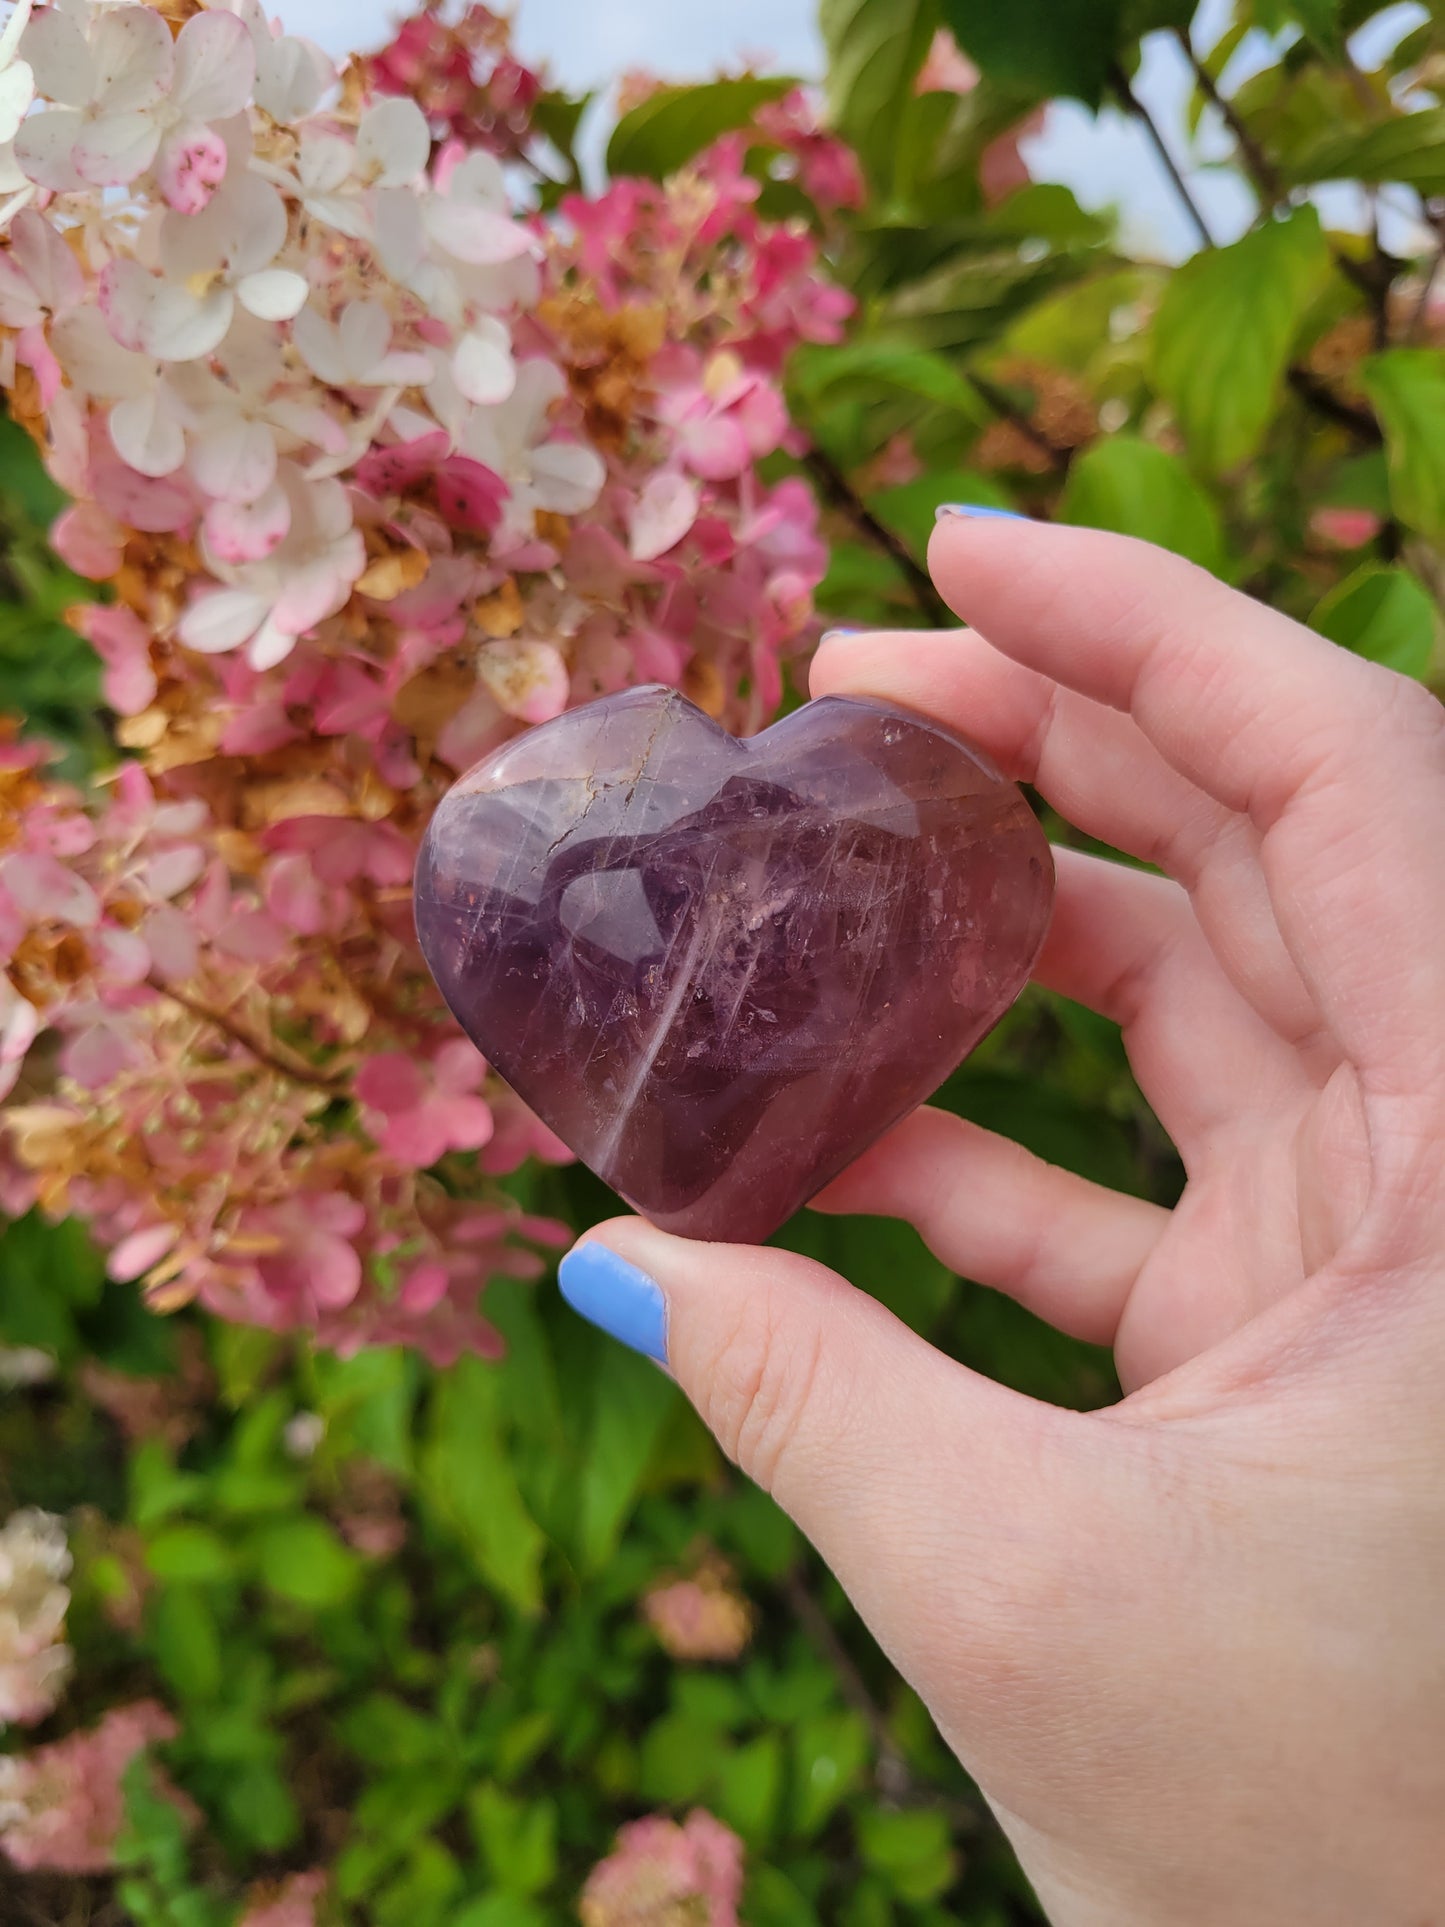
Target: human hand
[1193, 1647]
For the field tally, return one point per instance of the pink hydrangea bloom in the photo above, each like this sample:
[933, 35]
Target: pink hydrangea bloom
[293, 1905]
[61, 1806]
[660, 1873]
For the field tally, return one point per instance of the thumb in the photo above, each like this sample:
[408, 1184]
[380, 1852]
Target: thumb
[942, 1501]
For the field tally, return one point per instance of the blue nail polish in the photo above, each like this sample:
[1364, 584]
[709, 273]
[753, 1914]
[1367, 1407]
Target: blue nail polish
[616, 1297]
[831, 635]
[976, 511]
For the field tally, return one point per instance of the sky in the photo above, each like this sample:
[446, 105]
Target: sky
[587, 44]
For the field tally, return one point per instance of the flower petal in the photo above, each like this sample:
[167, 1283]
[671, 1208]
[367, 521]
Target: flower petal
[58, 54]
[192, 166]
[482, 365]
[365, 334]
[146, 434]
[274, 294]
[215, 67]
[234, 461]
[662, 516]
[247, 532]
[116, 150]
[17, 90]
[134, 59]
[222, 619]
[45, 145]
[393, 142]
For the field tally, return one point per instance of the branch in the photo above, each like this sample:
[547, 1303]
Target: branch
[275, 1057]
[1119, 81]
[841, 492]
[894, 1777]
[1258, 166]
[1324, 401]
[1373, 279]
[1007, 410]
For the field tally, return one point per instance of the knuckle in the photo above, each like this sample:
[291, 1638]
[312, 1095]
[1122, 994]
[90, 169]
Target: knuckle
[763, 1384]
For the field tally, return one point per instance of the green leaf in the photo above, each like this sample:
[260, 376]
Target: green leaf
[468, 1480]
[891, 365]
[910, 1846]
[502, 1910]
[1409, 149]
[633, 1403]
[1382, 613]
[675, 123]
[301, 1559]
[1407, 386]
[518, 1838]
[875, 48]
[1045, 46]
[190, 1553]
[1224, 330]
[830, 1755]
[185, 1641]
[1136, 488]
[750, 1787]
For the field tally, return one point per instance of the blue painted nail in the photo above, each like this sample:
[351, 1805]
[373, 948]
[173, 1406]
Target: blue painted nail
[830, 635]
[976, 511]
[616, 1297]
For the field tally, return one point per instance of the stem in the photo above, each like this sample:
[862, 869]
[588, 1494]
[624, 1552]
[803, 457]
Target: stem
[275, 1057]
[1258, 166]
[894, 1778]
[1325, 402]
[998, 401]
[1119, 81]
[836, 486]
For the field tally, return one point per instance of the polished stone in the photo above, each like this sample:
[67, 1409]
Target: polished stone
[720, 968]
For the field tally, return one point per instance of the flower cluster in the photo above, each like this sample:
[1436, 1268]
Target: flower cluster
[379, 467]
[34, 1659]
[62, 1806]
[292, 1905]
[704, 1617]
[661, 1874]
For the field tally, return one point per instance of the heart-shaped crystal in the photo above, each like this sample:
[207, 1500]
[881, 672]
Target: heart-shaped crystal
[720, 968]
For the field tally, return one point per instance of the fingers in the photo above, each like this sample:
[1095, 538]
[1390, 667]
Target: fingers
[1067, 1249]
[916, 1479]
[1130, 946]
[1339, 765]
[1101, 772]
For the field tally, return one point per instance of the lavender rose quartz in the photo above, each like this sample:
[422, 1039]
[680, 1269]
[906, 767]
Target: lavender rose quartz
[720, 968]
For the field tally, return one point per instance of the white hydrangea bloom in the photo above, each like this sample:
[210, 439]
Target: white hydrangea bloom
[34, 1660]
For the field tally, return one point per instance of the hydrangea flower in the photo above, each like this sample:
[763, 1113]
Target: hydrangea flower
[660, 1873]
[381, 466]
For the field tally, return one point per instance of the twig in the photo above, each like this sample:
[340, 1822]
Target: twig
[276, 1058]
[1119, 81]
[841, 492]
[999, 402]
[893, 1776]
[895, 1780]
[1325, 402]
[1272, 189]
[1258, 166]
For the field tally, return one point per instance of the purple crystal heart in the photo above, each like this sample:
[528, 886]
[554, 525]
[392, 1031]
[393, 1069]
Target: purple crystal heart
[720, 968]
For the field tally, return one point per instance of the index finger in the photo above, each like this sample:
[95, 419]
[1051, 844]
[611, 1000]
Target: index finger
[1339, 763]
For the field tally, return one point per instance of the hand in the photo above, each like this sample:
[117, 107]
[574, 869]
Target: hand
[1192, 1648]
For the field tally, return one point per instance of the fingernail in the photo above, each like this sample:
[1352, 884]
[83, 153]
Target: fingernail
[832, 635]
[976, 511]
[616, 1297]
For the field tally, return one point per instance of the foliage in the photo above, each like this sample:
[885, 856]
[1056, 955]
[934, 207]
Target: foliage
[394, 1594]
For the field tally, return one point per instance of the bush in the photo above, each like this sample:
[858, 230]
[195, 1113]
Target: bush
[364, 435]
